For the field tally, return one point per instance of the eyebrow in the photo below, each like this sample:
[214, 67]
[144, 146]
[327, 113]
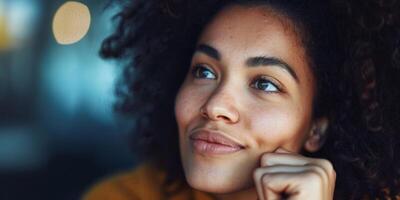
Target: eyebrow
[252, 61]
[209, 50]
[271, 61]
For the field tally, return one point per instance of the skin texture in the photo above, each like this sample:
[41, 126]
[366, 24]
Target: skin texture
[274, 123]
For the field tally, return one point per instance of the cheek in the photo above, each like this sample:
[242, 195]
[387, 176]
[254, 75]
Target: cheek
[280, 126]
[187, 106]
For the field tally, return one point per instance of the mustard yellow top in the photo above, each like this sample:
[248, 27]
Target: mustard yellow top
[142, 183]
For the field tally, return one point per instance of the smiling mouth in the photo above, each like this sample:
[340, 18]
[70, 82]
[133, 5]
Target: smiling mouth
[211, 142]
[205, 147]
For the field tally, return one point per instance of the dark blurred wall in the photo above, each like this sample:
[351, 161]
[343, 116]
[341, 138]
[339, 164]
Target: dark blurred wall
[58, 131]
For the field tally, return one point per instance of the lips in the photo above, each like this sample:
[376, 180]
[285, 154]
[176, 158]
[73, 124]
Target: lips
[213, 142]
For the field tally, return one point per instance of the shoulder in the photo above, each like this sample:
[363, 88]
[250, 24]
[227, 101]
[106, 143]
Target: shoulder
[143, 182]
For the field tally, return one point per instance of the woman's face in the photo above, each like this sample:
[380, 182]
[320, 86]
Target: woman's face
[249, 90]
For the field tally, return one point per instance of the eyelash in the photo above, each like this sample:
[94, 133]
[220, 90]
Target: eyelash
[195, 74]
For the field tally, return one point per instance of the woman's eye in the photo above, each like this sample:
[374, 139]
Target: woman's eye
[200, 71]
[265, 85]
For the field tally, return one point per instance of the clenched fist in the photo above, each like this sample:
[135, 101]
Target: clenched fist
[287, 175]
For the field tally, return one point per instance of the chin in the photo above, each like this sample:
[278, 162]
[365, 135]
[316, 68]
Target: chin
[212, 185]
[218, 179]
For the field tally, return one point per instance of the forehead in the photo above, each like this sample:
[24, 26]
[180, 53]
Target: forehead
[252, 28]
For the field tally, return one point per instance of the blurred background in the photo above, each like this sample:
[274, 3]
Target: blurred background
[58, 132]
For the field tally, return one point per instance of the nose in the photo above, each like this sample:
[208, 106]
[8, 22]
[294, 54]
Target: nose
[221, 106]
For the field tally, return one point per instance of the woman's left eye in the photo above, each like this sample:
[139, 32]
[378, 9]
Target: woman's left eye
[265, 85]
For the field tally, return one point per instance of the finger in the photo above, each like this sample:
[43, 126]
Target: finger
[259, 173]
[270, 159]
[276, 184]
[321, 166]
[292, 185]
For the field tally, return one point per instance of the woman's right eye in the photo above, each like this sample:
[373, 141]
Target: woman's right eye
[202, 72]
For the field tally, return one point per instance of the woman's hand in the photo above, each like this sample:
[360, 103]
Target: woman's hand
[287, 175]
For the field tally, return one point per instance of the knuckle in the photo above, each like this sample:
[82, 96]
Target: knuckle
[317, 169]
[329, 168]
[314, 177]
[327, 164]
[323, 176]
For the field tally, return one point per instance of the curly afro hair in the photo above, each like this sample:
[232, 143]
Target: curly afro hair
[354, 51]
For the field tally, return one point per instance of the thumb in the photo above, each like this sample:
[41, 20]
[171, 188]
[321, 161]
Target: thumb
[273, 187]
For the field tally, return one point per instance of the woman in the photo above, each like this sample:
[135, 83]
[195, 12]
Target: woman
[260, 99]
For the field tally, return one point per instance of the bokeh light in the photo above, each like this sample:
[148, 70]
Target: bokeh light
[18, 21]
[71, 22]
[4, 35]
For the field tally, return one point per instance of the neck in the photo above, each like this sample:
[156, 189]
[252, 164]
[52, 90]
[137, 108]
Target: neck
[247, 194]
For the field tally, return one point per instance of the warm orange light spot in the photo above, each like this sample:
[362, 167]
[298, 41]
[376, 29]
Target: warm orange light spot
[71, 22]
[4, 35]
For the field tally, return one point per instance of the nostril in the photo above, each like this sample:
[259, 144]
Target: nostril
[223, 117]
